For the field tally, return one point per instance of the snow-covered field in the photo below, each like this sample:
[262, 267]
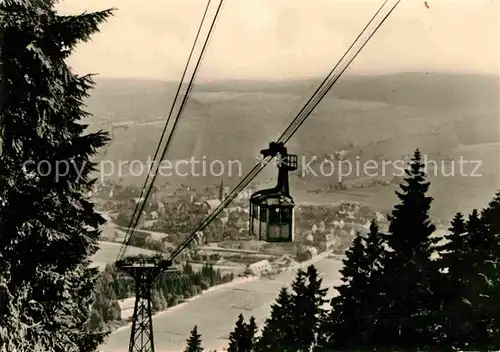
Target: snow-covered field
[216, 311]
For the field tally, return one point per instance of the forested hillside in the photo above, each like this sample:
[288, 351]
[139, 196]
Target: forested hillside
[396, 295]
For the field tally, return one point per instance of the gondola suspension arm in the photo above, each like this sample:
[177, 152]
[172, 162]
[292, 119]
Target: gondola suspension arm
[371, 28]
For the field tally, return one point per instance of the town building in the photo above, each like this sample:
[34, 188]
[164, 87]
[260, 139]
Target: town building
[260, 267]
[126, 308]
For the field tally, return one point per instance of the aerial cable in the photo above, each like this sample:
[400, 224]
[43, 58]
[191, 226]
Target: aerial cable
[176, 121]
[296, 123]
[168, 118]
[320, 91]
[172, 132]
[342, 67]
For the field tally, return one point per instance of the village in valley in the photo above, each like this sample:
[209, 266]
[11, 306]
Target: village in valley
[171, 213]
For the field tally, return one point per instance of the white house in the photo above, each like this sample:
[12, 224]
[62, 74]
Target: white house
[211, 204]
[260, 267]
[126, 308]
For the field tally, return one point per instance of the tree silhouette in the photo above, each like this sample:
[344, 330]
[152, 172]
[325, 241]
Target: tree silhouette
[242, 338]
[454, 264]
[194, 341]
[406, 316]
[276, 334]
[483, 283]
[355, 307]
[49, 228]
[308, 299]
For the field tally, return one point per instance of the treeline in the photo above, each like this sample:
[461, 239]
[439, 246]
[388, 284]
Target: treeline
[168, 291]
[402, 290]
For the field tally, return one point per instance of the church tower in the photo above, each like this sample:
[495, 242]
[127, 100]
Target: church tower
[221, 190]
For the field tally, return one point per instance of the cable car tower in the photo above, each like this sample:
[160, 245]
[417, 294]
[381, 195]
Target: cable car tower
[271, 210]
[143, 271]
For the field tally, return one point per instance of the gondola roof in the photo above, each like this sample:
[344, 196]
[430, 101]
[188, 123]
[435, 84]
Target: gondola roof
[261, 196]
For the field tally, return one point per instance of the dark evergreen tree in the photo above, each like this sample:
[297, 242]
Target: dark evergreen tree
[251, 333]
[49, 228]
[491, 215]
[194, 341]
[277, 328]
[482, 293]
[454, 264]
[491, 219]
[308, 299]
[343, 315]
[354, 308]
[241, 339]
[407, 318]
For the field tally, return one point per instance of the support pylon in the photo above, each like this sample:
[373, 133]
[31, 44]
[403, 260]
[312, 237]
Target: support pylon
[143, 271]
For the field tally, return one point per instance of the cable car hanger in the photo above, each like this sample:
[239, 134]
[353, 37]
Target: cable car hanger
[366, 34]
[271, 210]
[363, 38]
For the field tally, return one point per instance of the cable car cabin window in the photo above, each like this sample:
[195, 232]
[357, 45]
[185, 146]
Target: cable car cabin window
[279, 233]
[291, 161]
[279, 225]
[286, 215]
[255, 219]
[263, 213]
[274, 215]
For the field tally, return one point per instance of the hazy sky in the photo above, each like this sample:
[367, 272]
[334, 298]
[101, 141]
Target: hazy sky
[288, 38]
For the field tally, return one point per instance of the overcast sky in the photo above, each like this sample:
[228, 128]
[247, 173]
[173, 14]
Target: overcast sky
[275, 39]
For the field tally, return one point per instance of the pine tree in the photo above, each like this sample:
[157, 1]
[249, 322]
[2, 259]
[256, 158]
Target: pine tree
[453, 262]
[491, 220]
[277, 328]
[49, 228]
[491, 215]
[354, 308]
[482, 293]
[407, 315]
[251, 332]
[194, 341]
[308, 299]
[241, 339]
[343, 316]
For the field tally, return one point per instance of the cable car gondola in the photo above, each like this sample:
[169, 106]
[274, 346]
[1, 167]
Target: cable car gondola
[272, 210]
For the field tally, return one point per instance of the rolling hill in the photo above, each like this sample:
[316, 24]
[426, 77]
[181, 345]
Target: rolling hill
[386, 115]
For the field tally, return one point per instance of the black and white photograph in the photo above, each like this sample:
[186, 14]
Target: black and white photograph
[249, 175]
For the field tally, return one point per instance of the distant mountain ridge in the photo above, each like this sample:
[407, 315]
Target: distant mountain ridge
[384, 116]
[219, 114]
[413, 88]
